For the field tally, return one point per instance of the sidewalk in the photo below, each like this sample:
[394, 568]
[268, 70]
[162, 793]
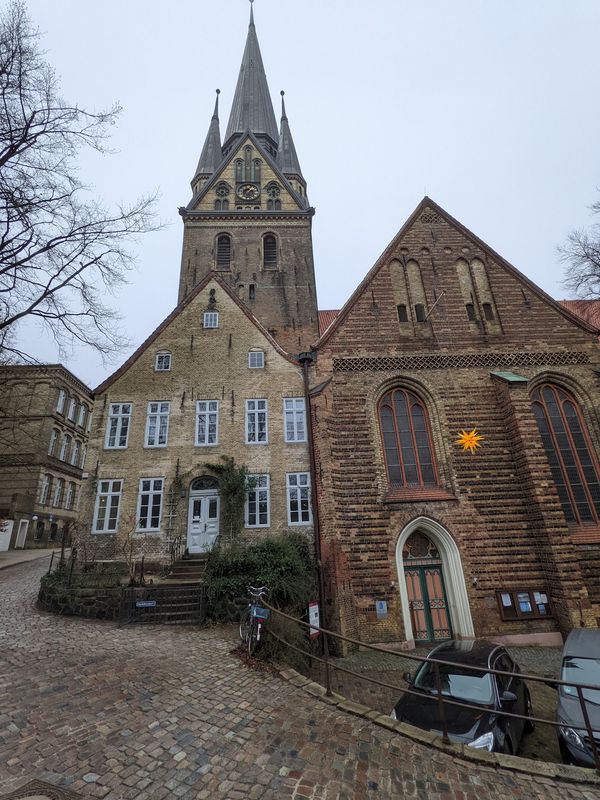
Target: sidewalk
[9, 558]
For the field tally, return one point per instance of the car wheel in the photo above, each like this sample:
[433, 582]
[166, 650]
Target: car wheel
[529, 724]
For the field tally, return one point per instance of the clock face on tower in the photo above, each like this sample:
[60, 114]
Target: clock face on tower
[247, 191]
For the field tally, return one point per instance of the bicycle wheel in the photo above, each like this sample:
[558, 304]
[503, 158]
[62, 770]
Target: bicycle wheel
[245, 624]
[254, 636]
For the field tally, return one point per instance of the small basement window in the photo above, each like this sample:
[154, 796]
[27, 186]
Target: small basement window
[420, 312]
[211, 319]
[529, 604]
[256, 359]
[402, 313]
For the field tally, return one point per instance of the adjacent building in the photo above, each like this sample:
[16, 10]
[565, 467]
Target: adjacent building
[45, 414]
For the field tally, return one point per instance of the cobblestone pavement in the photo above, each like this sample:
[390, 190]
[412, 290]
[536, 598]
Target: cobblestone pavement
[168, 712]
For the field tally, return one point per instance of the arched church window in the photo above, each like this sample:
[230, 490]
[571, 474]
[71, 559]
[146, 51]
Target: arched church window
[269, 252]
[273, 205]
[224, 251]
[407, 440]
[256, 164]
[222, 205]
[570, 454]
[239, 170]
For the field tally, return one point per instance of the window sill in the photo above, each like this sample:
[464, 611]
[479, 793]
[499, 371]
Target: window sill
[416, 495]
[585, 534]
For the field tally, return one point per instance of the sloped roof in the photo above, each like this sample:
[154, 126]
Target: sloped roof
[589, 310]
[287, 158]
[425, 203]
[212, 276]
[326, 318]
[211, 155]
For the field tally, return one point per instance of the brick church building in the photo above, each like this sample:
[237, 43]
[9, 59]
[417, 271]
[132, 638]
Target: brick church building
[422, 540]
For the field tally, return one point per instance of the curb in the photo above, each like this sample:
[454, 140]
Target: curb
[538, 769]
[25, 561]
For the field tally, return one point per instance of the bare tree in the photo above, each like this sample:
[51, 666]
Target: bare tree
[60, 249]
[581, 254]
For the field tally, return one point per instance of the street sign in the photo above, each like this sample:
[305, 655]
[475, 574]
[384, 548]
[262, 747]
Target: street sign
[145, 603]
[314, 618]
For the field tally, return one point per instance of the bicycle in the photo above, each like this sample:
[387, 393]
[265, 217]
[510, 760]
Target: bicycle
[253, 619]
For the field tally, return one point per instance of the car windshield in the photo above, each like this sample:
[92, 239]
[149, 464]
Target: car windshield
[581, 670]
[459, 682]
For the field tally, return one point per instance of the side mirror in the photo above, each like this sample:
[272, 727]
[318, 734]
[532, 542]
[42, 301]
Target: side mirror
[508, 697]
[408, 677]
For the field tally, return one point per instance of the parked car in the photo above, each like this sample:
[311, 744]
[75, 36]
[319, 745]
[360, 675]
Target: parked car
[580, 664]
[484, 728]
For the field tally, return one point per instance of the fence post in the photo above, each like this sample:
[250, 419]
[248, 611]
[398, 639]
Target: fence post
[588, 726]
[72, 566]
[327, 665]
[51, 562]
[142, 572]
[438, 682]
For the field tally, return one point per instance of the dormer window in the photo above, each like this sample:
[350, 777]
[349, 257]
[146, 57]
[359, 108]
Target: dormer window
[163, 362]
[269, 252]
[223, 251]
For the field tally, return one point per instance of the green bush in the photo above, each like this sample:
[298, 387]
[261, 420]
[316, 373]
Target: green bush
[282, 563]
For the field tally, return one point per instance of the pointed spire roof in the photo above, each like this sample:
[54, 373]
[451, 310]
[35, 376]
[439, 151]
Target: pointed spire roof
[252, 109]
[211, 155]
[287, 158]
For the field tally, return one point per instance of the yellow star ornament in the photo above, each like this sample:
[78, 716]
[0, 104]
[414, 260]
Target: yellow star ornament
[469, 440]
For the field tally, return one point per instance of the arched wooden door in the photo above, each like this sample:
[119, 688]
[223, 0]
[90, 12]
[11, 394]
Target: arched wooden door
[426, 591]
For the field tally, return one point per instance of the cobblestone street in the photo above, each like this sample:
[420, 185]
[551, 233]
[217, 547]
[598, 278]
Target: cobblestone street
[163, 712]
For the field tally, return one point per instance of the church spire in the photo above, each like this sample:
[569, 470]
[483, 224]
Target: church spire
[287, 158]
[211, 155]
[252, 109]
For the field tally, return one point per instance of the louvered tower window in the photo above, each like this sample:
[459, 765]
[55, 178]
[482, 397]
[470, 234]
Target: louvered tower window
[570, 453]
[224, 251]
[270, 252]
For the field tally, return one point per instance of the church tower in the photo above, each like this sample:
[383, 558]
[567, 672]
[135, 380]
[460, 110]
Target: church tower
[249, 218]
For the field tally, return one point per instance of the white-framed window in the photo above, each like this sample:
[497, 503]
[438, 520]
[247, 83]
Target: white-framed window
[150, 504]
[76, 453]
[70, 499]
[89, 421]
[72, 409]
[108, 501]
[257, 510]
[163, 362]
[207, 422]
[117, 429]
[256, 359]
[82, 415]
[298, 498]
[257, 425]
[294, 419]
[157, 424]
[45, 490]
[211, 319]
[83, 455]
[60, 403]
[58, 493]
[53, 440]
[65, 448]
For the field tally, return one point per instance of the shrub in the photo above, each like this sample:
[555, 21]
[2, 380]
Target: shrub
[283, 563]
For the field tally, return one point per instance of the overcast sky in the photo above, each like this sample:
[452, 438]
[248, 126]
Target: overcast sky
[490, 107]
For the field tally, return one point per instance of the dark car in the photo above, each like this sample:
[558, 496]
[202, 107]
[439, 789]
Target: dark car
[580, 664]
[482, 727]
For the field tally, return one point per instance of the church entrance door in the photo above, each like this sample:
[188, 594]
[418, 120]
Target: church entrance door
[426, 591]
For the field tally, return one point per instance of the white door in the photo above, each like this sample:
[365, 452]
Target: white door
[22, 533]
[203, 522]
[6, 527]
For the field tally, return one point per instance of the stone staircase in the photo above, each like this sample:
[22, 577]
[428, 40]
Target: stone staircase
[187, 570]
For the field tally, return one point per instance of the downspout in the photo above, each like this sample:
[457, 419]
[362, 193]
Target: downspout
[306, 359]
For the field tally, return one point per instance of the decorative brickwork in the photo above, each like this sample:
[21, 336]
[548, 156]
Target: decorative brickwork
[493, 360]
